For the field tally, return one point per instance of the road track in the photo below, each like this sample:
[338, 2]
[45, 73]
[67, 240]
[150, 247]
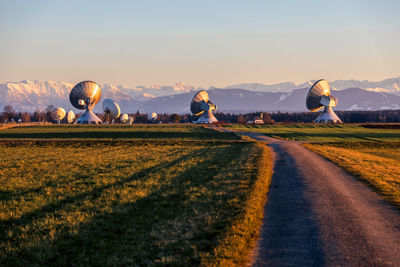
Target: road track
[319, 215]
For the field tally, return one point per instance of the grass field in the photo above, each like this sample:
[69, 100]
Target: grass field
[322, 132]
[370, 152]
[97, 202]
[375, 163]
[112, 132]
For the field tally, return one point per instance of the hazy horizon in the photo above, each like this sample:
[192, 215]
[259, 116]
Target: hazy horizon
[195, 86]
[203, 44]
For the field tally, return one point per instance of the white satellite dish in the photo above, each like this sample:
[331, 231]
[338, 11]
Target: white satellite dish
[58, 114]
[124, 118]
[152, 117]
[70, 116]
[319, 96]
[85, 95]
[201, 105]
[111, 110]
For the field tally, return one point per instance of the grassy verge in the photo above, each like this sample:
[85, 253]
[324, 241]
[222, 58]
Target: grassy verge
[130, 203]
[238, 242]
[323, 132]
[116, 132]
[375, 163]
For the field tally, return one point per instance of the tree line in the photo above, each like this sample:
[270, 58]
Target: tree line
[388, 116]
[384, 116]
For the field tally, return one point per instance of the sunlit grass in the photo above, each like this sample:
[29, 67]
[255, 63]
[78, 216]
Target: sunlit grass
[115, 132]
[322, 132]
[127, 203]
[376, 163]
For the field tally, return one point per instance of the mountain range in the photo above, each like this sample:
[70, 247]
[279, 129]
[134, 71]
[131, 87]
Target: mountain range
[391, 85]
[239, 98]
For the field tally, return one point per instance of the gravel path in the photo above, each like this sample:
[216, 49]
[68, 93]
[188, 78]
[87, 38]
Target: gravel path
[319, 215]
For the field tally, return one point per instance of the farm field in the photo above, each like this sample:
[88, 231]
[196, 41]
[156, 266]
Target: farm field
[322, 132]
[375, 163]
[116, 132]
[130, 202]
[369, 152]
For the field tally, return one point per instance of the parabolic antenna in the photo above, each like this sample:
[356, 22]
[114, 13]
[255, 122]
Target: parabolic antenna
[111, 110]
[201, 105]
[152, 116]
[124, 118]
[71, 117]
[58, 114]
[319, 96]
[85, 95]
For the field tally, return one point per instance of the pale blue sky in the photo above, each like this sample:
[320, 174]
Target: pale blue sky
[202, 43]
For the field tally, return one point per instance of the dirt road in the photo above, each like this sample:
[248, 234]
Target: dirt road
[319, 215]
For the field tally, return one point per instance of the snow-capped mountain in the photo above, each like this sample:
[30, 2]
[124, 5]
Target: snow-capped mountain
[352, 95]
[391, 85]
[37, 95]
[243, 101]
[32, 95]
[279, 87]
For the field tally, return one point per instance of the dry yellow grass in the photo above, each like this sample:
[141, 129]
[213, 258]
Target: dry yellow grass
[130, 203]
[376, 163]
[237, 244]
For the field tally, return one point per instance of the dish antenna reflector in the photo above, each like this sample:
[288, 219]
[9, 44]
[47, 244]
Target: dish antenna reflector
[85, 95]
[71, 117]
[319, 96]
[201, 105]
[111, 110]
[152, 116]
[124, 118]
[58, 114]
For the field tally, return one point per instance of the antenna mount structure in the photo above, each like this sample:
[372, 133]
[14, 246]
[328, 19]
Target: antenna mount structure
[319, 96]
[58, 114]
[201, 105]
[111, 110]
[152, 117]
[71, 117]
[85, 95]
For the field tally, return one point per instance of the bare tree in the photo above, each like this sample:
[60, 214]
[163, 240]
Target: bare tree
[267, 118]
[25, 117]
[39, 116]
[49, 108]
[49, 114]
[241, 119]
[175, 118]
[8, 113]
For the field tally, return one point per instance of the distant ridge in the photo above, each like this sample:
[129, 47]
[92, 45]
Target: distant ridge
[243, 101]
[391, 85]
[286, 96]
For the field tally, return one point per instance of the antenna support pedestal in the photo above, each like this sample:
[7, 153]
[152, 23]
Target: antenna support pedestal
[328, 116]
[88, 118]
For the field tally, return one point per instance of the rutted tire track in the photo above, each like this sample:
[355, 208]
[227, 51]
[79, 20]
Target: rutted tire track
[317, 214]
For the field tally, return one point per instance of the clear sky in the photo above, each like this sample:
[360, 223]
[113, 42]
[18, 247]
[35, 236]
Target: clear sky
[203, 43]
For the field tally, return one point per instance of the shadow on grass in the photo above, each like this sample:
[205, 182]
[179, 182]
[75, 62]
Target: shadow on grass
[26, 218]
[147, 230]
[8, 195]
[119, 135]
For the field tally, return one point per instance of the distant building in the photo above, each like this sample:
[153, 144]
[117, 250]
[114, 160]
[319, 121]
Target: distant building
[257, 120]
